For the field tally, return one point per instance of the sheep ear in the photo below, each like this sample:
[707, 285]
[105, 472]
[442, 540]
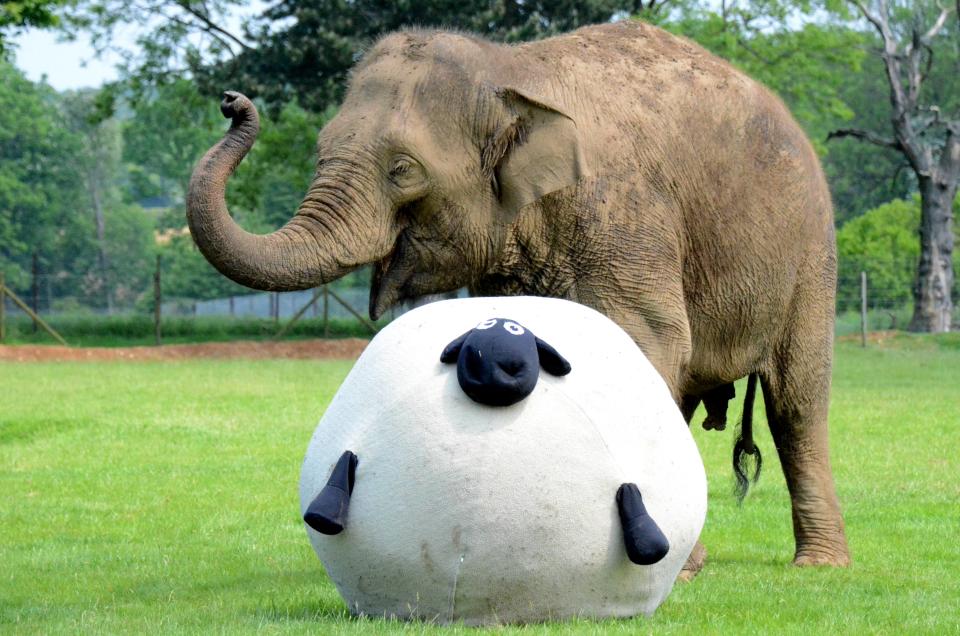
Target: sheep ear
[452, 350]
[539, 152]
[550, 360]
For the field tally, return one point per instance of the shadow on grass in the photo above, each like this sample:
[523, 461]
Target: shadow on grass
[28, 430]
[306, 611]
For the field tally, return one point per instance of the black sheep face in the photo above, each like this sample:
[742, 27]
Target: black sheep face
[499, 361]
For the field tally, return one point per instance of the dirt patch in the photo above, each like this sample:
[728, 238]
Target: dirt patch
[345, 349]
[874, 337]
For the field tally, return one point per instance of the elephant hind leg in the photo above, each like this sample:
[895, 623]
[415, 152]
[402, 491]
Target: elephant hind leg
[796, 391]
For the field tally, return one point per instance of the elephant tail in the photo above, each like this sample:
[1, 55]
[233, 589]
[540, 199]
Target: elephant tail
[744, 448]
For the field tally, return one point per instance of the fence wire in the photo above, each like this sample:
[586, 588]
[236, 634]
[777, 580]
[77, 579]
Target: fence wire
[61, 297]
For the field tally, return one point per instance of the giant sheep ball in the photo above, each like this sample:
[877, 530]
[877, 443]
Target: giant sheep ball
[461, 511]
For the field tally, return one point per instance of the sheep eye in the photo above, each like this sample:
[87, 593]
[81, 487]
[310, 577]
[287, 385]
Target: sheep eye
[486, 324]
[513, 328]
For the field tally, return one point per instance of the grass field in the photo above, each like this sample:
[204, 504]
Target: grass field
[138, 330]
[161, 497]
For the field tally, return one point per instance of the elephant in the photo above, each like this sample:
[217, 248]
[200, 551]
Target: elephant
[618, 166]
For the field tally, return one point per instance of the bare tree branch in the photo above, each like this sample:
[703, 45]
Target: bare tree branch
[937, 26]
[867, 136]
[933, 121]
[211, 27]
[869, 15]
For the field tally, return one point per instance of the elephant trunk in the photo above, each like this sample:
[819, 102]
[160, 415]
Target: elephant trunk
[304, 253]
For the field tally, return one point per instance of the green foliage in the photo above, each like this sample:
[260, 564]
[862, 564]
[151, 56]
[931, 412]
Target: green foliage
[169, 131]
[862, 176]
[787, 47]
[274, 177]
[40, 185]
[16, 15]
[301, 50]
[161, 498]
[883, 243]
[84, 329]
[187, 274]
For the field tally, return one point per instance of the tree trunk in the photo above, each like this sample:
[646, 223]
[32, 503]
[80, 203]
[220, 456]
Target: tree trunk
[933, 307]
[102, 260]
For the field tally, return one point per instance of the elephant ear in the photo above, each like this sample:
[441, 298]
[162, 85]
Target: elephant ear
[537, 153]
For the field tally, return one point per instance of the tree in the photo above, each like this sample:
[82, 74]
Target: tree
[15, 16]
[98, 162]
[39, 187]
[787, 45]
[863, 176]
[302, 50]
[168, 130]
[929, 140]
[883, 243]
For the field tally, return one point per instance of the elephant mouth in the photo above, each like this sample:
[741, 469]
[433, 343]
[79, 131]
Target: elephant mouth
[390, 277]
[401, 276]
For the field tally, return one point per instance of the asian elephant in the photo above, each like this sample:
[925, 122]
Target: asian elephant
[617, 166]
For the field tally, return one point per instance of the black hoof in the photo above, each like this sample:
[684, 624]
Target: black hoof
[327, 513]
[642, 537]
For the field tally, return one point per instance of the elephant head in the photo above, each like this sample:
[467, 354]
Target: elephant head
[435, 149]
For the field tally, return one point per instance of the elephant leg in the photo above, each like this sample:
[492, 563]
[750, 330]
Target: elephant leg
[688, 406]
[796, 391]
[698, 556]
[715, 401]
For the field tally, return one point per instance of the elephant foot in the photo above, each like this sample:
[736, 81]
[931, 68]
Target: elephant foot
[695, 563]
[715, 401]
[810, 558]
[715, 423]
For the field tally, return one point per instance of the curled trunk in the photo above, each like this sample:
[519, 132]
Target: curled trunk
[302, 254]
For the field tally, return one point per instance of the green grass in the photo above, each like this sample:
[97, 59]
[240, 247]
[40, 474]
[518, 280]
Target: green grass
[136, 329]
[161, 497]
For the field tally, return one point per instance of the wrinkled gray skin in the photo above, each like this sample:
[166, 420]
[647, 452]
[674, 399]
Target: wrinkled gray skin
[617, 166]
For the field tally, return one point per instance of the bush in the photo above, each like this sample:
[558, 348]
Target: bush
[137, 329]
[883, 242]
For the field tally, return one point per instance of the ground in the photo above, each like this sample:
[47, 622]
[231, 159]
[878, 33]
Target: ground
[160, 496]
[345, 349]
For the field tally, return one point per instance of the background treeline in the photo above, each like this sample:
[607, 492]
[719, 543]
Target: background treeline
[93, 182]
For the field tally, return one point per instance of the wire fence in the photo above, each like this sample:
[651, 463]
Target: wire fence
[341, 309]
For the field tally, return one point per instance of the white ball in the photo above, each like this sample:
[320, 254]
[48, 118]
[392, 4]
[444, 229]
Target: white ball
[467, 512]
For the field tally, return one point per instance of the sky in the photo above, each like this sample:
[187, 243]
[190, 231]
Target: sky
[73, 65]
[67, 65]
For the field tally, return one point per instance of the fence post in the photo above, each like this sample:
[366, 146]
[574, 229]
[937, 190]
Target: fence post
[863, 309]
[3, 306]
[157, 301]
[326, 313]
[35, 291]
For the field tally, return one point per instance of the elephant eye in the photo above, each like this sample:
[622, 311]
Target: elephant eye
[400, 167]
[405, 171]
[513, 328]
[486, 324]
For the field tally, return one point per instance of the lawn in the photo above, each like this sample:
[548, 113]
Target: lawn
[161, 497]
